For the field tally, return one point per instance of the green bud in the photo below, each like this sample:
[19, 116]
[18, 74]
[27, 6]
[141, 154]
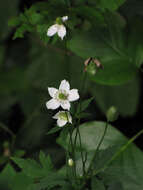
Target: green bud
[112, 114]
[70, 162]
[91, 68]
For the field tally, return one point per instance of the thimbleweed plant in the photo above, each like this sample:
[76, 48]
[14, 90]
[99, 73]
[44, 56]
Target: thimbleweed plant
[87, 48]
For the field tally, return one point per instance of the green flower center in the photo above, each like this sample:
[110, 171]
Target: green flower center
[62, 96]
[63, 116]
[59, 20]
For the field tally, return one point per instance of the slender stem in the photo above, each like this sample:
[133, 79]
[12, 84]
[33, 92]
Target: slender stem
[122, 149]
[98, 146]
[5, 128]
[77, 128]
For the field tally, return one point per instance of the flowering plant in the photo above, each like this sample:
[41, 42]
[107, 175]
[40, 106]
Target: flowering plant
[89, 55]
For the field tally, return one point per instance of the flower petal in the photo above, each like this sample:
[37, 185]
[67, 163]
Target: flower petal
[52, 104]
[66, 105]
[73, 95]
[52, 91]
[64, 85]
[56, 116]
[61, 31]
[64, 18]
[52, 30]
[61, 122]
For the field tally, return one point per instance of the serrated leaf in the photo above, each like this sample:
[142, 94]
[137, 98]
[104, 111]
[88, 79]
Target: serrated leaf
[45, 161]
[29, 167]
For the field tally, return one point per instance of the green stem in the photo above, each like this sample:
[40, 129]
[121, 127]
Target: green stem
[98, 146]
[5, 128]
[78, 123]
[122, 149]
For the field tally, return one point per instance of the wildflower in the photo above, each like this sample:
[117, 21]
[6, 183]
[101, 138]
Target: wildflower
[62, 96]
[63, 117]
[58, 28]
[70, 162]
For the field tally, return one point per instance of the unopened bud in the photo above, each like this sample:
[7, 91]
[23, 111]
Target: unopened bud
[91, 68]
[112, 114]
[70, 162]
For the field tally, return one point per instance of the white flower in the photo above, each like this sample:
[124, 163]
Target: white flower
[57, 28]
[64, 18]
[63, 117]
[62, 96]
[60, 29]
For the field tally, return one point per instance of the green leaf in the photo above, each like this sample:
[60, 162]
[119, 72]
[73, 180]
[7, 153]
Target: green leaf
[19, 153]
[118, 66]
[52, 180]
[21, 181]
[126, 169]
[20, 31]
[135, 47]
[124, 97]
[53, 130]
[29, 167]
[45, 161]
[83, 106]
[97, 184]
[6, 177]
[110, 4]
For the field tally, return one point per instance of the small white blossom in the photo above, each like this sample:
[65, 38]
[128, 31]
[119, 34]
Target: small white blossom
[63, 117]
[64, 18]
[57, 28]
[60, 29]
[62, 96]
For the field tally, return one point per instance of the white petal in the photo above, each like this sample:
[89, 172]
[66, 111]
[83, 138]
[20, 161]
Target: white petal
[64, 85]
[66, 105]
[61, 31]
[52, 104]
[64, 18]
[61, 122]
[52, 30]
[56, 116]
[73, 95]
[52, 91]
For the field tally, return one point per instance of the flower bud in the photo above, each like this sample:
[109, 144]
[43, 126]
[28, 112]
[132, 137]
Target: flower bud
[70, 162]
[91, 69]
[112, 114]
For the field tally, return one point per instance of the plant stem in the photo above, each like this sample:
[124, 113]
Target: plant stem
[98, 146]
[122, 149]
[5, 128]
